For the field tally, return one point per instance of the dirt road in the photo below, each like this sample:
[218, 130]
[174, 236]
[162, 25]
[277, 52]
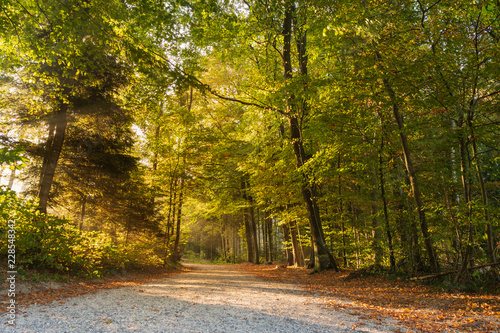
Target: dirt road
[205, 299]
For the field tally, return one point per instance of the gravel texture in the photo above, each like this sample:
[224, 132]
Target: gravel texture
[206, 299]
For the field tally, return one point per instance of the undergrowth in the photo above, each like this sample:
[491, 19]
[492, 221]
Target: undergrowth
[46, 245]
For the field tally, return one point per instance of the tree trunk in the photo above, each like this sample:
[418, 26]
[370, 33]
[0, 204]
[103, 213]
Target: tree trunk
[410, 233]
[413, 178]
[270, 236]
[295, 244]
[12, 178]
[286, 237]
[376, 237]
[392, 259]
[170, 218]
[82, 213]
[323, 257]
[265, 238]
[53, 148]
[157, 139]
[248, 225]
[176, 252]
[253, 227]
[463, 273]
[301, 247]
[490, 247]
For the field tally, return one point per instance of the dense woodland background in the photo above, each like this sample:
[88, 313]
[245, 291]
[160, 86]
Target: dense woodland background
[334, 134]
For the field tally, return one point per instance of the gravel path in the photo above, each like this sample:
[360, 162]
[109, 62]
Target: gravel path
[206, 299]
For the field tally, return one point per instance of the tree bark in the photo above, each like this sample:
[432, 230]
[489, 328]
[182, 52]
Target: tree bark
[53, 148]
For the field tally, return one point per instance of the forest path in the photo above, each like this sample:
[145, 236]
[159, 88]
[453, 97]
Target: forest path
[208, 298]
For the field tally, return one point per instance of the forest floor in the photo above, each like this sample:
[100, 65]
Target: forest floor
[369, 299]
[417, 306]
[31, 291]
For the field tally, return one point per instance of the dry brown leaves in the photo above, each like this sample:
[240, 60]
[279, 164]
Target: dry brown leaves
[82, 287]
[419, 307]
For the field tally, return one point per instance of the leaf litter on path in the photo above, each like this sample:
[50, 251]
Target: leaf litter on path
[420, 307]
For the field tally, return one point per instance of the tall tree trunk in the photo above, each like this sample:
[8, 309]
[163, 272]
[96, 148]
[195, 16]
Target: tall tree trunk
[176, 252]
[270, 235]
[376, 225]
[376, 236]
[248, 233]
[286, 237]
[341, 213]
[392, 259]
[53, 148]
[253, 227]
[463, 272]
[234, 239]
[248, 225]
[323, 259]
[265, 237]
[170, 218]
[457, 242]
[409, 228]
[490, 246]
[413, 178]
[173, 212]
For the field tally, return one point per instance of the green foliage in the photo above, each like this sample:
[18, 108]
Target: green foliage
[436, 62]
[46, 242]
[13, 157]
[50, 243]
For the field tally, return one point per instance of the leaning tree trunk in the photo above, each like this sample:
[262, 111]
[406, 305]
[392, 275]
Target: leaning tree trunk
[413, 178]
[53, 148]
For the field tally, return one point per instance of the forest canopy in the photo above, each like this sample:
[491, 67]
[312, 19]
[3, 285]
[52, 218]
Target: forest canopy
[327, 134]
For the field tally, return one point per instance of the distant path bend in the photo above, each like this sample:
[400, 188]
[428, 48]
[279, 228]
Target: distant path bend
[206, 299]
